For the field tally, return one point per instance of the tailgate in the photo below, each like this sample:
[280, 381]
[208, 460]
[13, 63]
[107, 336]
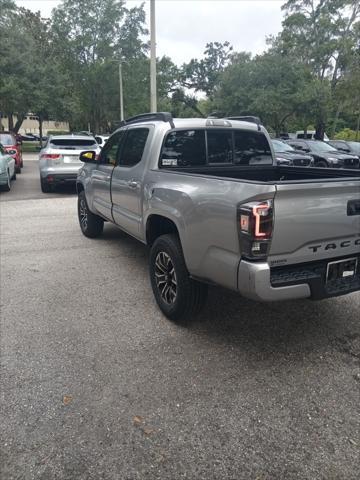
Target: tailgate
[315, 221]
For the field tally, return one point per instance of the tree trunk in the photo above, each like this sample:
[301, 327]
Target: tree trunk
[338, 110]
[11, 122]
[18, 123]
[40, 129]
[319, 131]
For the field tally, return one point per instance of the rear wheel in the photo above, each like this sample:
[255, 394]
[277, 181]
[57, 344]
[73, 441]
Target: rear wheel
[14, 175]
[178, 296]
[45, 187]
[17, 169]
[91, 225]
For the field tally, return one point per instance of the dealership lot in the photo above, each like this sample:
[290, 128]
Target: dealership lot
[97, 384]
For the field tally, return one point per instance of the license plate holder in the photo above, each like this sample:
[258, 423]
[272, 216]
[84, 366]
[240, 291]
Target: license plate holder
[341, 269]
[71, 159]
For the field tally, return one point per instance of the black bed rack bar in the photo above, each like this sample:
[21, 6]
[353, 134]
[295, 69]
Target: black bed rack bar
[144, 117]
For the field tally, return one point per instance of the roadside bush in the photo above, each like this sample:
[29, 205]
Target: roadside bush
[57, 132]
[347, 134]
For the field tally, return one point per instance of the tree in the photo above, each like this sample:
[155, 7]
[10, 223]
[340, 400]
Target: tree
[323, 35]
[271, 86]
[93, 36]
[203, 75]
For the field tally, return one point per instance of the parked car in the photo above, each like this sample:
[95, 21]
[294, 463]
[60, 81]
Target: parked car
[208, 198]
[324, 154]
[101, 139]
[346, 147]
[287, 155]
[32, 137]
[13, 148]
[59, 161]
[7, 169]
[310, 135]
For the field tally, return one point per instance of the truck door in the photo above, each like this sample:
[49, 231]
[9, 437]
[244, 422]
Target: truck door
[127, 179]
[101, 175]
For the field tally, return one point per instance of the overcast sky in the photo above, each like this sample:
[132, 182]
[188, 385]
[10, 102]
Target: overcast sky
[183, 27]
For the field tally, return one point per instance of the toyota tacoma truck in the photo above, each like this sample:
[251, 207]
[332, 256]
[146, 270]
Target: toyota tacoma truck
[208, 198]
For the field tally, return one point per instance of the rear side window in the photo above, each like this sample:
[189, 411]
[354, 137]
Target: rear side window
[134, 146]
[251, 148]
[184, 148]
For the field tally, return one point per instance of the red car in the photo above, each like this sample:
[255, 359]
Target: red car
[13, 147]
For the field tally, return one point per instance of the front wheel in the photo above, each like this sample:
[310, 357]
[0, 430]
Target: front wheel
[321, 164]
[91, 225]
[178, 296]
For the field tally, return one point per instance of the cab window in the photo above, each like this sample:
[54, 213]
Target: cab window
[134, 146]
[109, 153]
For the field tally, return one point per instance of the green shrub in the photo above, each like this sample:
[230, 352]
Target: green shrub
[347, 134]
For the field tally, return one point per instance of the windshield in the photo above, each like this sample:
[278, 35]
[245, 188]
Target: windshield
[319, 147]
[282, 147]
[7, 139]
[355, 147]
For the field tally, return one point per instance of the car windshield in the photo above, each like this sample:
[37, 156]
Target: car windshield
[282, 147]
[355, 146]
[319, 147]
[6, 139]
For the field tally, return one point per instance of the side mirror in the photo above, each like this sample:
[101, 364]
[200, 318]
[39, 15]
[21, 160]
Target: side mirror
[18, 142]
[88, 157]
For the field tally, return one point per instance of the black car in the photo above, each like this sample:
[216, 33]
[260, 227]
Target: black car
[325, 155]
[287, 155]
[353, 148]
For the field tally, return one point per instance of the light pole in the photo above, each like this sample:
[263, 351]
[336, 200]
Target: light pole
[153, 101]
[121, 92]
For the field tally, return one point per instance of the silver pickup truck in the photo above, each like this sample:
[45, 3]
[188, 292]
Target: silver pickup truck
[207, 197]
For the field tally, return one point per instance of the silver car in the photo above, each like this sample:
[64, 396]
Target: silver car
[59, 161]
[101, 139]
[7, 169]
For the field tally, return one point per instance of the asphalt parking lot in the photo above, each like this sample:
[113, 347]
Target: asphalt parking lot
[97, 384]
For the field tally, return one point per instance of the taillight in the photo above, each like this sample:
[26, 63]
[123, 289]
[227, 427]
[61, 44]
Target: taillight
[255, 228]
[50, 156]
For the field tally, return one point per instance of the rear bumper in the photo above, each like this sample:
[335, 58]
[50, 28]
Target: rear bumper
[260, 282]
[60, 178]
[70, 171]
[254, 282]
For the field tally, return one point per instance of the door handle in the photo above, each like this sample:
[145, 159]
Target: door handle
[133, 184]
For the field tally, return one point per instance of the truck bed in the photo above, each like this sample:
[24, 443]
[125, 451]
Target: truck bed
[270, 174]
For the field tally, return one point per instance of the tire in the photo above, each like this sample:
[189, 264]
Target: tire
[45, 187]
[18, 169]
[321, 164]
[14, 175]
[91, 225]
[179, 297]
[7, 186]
